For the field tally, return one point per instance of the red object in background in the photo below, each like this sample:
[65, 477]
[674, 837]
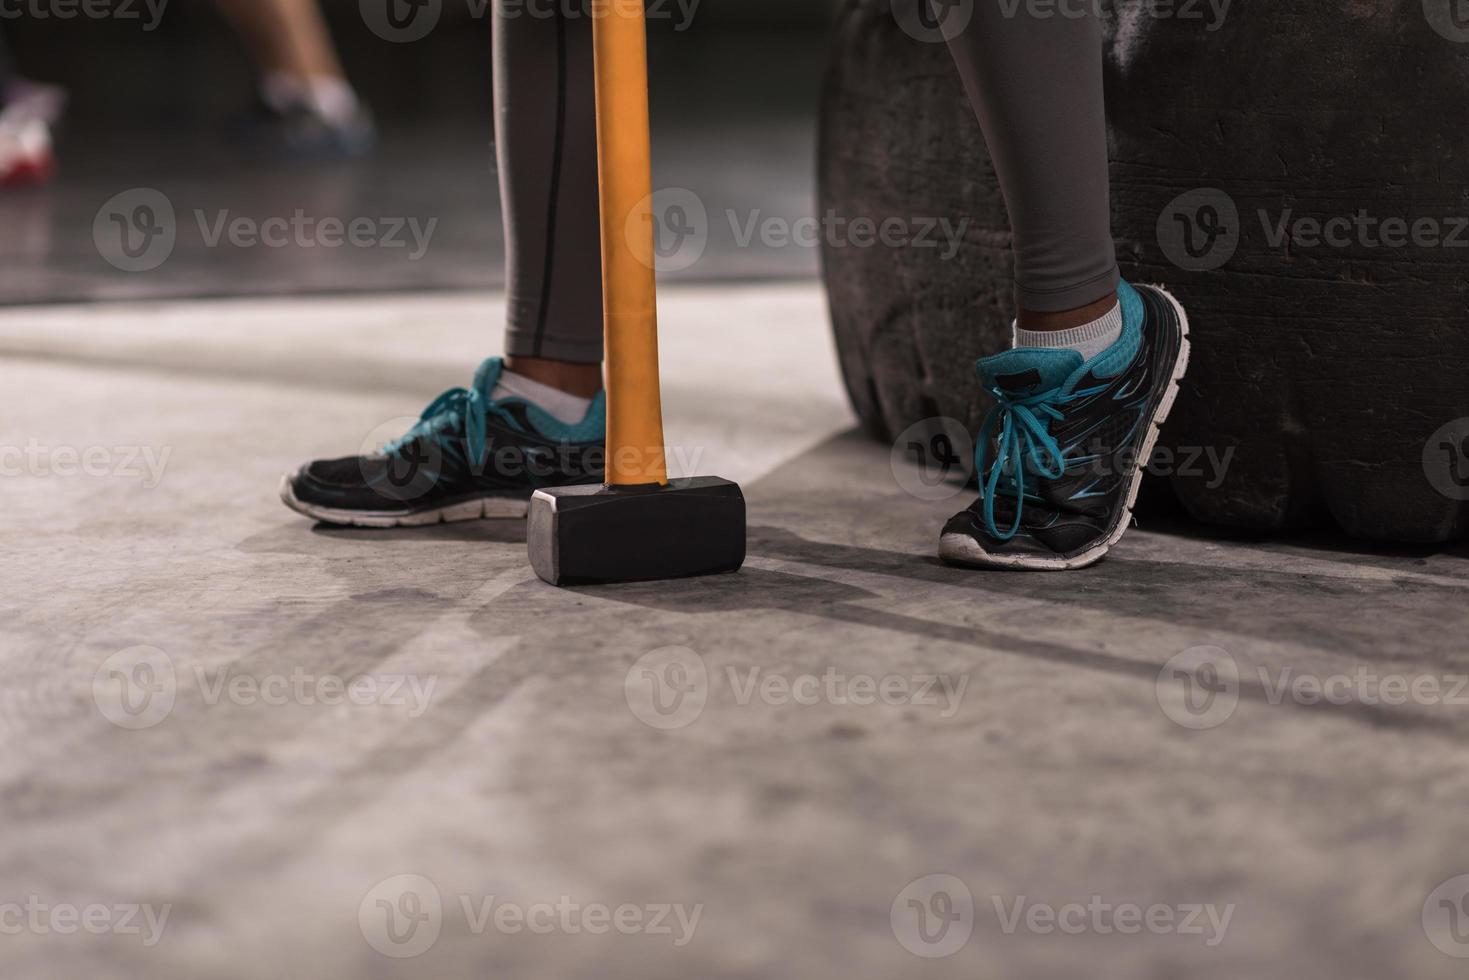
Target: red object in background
[30, 172]
[26, 154]
[26, 157]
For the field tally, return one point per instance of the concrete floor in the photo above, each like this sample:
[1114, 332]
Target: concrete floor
[531, 757]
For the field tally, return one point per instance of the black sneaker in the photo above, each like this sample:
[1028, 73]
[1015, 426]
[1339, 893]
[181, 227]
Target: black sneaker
[1062, 453]
[467, 458]
[299, 132]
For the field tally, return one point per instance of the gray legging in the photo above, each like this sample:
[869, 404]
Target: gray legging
[546, 140]
[1034, 77]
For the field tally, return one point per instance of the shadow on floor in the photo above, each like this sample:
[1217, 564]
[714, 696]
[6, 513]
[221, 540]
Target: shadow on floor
[756, 590]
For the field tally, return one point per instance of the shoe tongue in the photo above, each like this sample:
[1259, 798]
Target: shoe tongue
[488, 375]
[1028, 370]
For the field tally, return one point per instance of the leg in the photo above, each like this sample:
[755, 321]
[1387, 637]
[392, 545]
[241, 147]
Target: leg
[537, 418]
[1079, 402]
[309, 108]
[28, 112]
[288, 37]
[1036, 85]
[546, 142]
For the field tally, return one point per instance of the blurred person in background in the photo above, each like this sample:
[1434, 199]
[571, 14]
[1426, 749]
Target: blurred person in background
[28, 112]
[307, 107]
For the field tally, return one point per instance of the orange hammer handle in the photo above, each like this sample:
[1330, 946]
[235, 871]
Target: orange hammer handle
[635, 453]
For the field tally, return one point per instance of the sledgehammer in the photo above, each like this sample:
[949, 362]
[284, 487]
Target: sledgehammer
[639, 526]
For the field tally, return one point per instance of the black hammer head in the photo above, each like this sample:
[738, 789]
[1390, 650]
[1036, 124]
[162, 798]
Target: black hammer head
[596, 534]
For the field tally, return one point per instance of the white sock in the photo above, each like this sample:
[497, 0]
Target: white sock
[566, 407]
[1088, 340]
[329, 97]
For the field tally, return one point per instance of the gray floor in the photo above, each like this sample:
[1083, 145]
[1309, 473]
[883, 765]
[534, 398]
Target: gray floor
[534, 763]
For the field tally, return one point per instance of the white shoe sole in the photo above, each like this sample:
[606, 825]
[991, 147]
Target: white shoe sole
[469, 510]
[962, 549]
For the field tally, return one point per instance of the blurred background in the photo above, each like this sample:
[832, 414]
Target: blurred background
[165, 96]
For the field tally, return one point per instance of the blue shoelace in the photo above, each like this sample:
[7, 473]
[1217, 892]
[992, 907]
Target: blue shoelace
[460, 410]
[1024, 439]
